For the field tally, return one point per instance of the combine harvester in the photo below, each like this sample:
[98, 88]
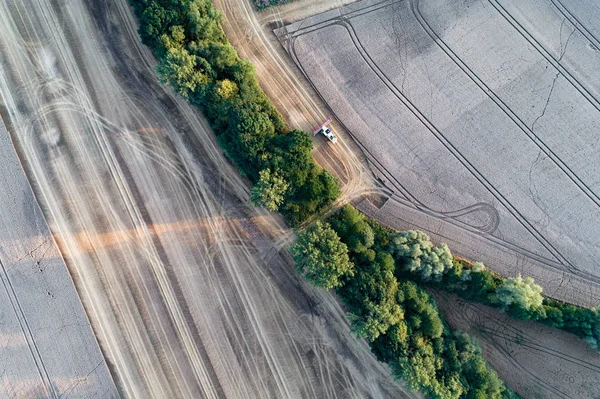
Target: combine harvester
[326, 131]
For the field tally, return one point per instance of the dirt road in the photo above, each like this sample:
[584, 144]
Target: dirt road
[187, 290]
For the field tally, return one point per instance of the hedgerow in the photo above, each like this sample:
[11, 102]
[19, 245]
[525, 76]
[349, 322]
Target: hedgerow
[418, 260]
[198, 62]
[396, 316]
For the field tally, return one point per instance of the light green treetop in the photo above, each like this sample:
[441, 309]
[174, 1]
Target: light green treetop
[523, 293]
[269, 191]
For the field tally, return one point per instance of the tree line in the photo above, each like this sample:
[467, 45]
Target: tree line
[197, 61]
[419, 260]
[360, 260]
[411, 256]
[379, 274]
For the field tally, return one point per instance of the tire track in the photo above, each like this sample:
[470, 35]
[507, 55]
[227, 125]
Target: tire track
[567, 171]
[494, 331]
[530, 341]
[407, 199]
[399, 187]
[289, 44]
[26, 331]
[569, 16]
[451, 148]
[586, 93]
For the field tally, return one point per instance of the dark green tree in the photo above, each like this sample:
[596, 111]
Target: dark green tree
[321, 257]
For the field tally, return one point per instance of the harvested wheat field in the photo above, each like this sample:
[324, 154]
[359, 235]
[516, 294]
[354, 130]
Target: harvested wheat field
[481, 118]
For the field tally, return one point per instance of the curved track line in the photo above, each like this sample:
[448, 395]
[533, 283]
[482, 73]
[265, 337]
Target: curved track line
[451, 148]
[415, 203]
[571, 175]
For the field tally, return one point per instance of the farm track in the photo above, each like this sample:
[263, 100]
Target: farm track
[189, 290]
[284, 87]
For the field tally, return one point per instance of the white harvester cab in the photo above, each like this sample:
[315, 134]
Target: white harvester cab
[326, 131]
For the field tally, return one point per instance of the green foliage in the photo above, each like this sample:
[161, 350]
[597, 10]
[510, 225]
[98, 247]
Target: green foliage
[269, 191]
[417, 254]
[198, 62]
[179, 70]
[400, 319]
[371, 297]
[262, 4]
[521, 298]
[520, 293]
[321, 257]
[353, 228]
[413, 338]
[585, 323]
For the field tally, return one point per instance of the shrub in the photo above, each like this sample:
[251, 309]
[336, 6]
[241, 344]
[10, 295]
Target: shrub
[270, 190]
[416, 253]
[519, 293]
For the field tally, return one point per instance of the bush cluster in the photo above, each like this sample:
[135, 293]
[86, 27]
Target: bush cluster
[417, 259]
[397, 317]
[198, 62]
[262, 4]
[521, 299]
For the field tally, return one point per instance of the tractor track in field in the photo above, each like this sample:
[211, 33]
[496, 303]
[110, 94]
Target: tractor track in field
[585, 189]
[443, 140]
[556, 64]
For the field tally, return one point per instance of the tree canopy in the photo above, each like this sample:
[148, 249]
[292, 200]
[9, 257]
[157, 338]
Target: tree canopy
[415, 251]
[269, 191]
[321, 257]
[198, 62]
[521, 293]
[400, 319]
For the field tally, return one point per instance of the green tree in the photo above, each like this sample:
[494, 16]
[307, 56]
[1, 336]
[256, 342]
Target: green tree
[521, 293]
[353, 228]
[269, 191]
[415, 251]
[321, 257]
[178, 70]
[371, 297]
